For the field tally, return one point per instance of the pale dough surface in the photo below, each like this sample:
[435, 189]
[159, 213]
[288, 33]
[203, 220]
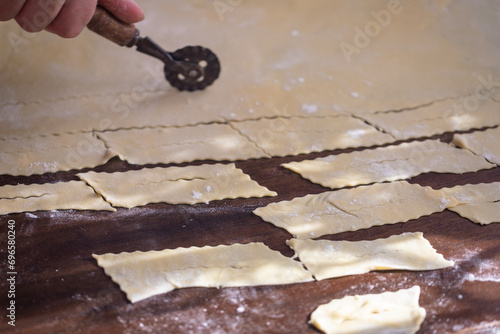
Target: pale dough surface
[384, 313]
[175, 185]
[50, 196]
[344, 210]
[479, 203]
[144, 274]
[391, 163]
[329, 259]
[296, 135]
[176, 145]
[484, 143]
[442, 116]
[28, 156]
[92, 84]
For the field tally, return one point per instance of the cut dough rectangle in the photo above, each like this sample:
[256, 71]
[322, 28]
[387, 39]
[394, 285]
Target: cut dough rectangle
[329, 259]
[344, 210]
[50, 154]
[176, 145]
[484, 143]
[387, 312]
[391, 163]
[175, 185]
[439, 117]
[296, 135]
[50, 196]
[479, 202]
[144, 274]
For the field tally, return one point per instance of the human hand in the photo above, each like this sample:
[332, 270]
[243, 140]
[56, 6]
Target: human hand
[66, 18]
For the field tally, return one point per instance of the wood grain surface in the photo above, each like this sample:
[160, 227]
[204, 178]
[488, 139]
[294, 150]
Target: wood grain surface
[60, 288]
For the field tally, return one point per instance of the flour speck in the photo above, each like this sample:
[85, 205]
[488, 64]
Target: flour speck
[196, 195]
[309, 108]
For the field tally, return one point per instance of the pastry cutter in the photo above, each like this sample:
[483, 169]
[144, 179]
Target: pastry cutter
[190, 68]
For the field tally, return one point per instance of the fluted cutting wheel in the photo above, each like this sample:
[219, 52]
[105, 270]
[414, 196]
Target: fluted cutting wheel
[205, 58]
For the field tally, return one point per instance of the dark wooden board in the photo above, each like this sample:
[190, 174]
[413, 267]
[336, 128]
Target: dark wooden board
[60, 288]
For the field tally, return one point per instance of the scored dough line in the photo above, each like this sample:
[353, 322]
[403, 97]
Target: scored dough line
[25, 197]
[250, 141]
[471, 151]
[98, 193]
[423, 105]
[374, 126]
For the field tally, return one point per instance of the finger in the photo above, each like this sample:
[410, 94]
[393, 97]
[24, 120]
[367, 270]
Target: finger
[126, 10]
[72, 18]
[10, 8]
[36, 15]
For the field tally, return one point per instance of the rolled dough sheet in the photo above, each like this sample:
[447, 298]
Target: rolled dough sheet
[51, 154]
[176, 145]
[144, 274]
[91, 84]
[50, 196]
[344, 210]
[175, 185]
[329, 259]
[296, 135]
[442, 116]
[484, 143]
[391, 163]
[384, 313]
[480, 203]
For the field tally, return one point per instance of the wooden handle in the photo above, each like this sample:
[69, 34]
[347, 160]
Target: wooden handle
[107, 25]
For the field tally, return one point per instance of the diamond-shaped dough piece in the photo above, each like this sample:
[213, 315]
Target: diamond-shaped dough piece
[39, 155]
[50, 196]
[387, 312]
[484, 143]
[144, 274]
[296, 135]
[175, 185]
[479, 203]
[439, 117]
[391, 163]
[176, 145]
[344, 210]
[329, 259]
